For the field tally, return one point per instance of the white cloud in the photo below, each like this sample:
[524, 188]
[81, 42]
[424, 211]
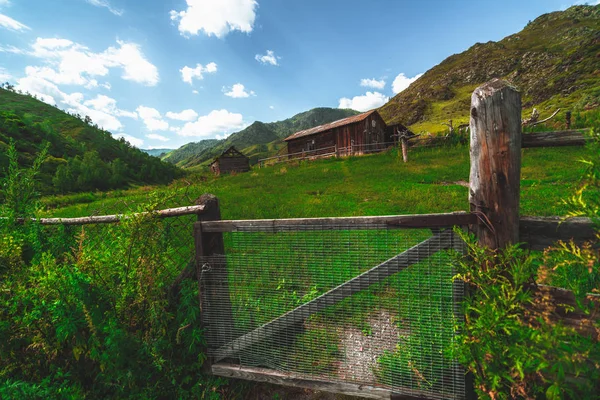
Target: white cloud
[195, 91]
[102, 110]
[132, 140]
[109, 105]
[216, 18]
[155, 136]
[269, 58]
[238, 91]
[402, 82]
[373, 83]
[12, 24]
[367, 102]
[188, 73]
[4, 3]
[272, 107]
[152, 119]
[69, 63]
[133, 62]
[185, 115]
[217, 122]
[106, 4]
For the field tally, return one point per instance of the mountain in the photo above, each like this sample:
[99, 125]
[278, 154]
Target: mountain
[258, 140]
[157, 152]
[554, 61]
[82, 157]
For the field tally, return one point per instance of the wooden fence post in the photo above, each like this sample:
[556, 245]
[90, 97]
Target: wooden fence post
[496, 163]
[404, 148]
[211, 270]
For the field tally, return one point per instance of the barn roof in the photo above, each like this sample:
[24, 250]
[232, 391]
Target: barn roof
[231, 152]
[325, 127]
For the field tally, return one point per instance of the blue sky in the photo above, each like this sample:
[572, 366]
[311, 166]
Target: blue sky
[165, 73]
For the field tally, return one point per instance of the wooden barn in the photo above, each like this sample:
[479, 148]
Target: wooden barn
[359, 134]
[231, 160]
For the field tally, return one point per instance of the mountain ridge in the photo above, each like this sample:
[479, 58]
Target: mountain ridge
[554, 61]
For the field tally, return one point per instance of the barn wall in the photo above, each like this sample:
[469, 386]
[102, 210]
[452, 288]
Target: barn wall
[362, 135]
[322, 140]
[233, 164]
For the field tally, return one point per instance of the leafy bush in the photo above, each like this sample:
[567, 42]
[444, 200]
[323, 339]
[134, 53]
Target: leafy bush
[94, 311]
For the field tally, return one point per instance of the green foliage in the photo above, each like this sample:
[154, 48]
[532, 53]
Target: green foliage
[511, 340]
[80, 155]
[508, 340]
[19, 185]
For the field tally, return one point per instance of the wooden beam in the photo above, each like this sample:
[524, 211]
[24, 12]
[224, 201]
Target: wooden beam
[287, 379]
[216, 320]
[495, 177]
[540, 232]
[280, 378]
[459, 218]
[359, 283]
[554, 139]
[108, 219]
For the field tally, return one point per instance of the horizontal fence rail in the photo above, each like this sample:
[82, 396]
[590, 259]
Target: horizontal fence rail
[110, 219]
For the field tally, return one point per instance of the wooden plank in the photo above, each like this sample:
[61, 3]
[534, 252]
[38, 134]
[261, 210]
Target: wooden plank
[554, 139]
[108, 219]
[359, 283]
[540, 232]
[287, 379]
[279, 378]
[459, 218]
[216, 320]
[495, 177]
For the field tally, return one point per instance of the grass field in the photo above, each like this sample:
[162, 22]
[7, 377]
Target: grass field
[431, 182]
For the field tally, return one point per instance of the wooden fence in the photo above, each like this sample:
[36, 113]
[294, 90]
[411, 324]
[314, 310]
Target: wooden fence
[496, 140]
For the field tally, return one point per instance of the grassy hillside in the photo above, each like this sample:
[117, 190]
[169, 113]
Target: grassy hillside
[257, 141]
[433, 181]
[82, 156]
[553, 61]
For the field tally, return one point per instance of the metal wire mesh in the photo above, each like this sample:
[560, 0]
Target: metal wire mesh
[359, 304]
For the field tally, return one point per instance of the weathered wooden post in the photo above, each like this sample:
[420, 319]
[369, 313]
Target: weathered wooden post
[211, 270]
[404, 148]
[568, 120]
[496, 162]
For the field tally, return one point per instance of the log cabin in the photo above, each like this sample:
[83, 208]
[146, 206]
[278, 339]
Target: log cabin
[359, 134]
[231, 160]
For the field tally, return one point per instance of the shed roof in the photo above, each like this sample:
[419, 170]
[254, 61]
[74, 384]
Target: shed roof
[331, 125]
[232, 152]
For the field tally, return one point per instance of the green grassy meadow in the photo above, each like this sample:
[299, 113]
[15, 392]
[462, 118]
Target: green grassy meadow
[378, 184]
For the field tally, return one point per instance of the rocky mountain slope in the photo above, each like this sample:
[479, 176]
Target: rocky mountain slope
[554, 61]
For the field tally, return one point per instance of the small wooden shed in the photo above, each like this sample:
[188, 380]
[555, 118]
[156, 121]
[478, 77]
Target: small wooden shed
[359, 134]
[231, 160]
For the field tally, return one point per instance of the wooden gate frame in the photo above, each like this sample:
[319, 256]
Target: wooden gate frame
[496, 141]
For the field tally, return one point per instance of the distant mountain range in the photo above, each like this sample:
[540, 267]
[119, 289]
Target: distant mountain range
[257, 141]
[157, 152]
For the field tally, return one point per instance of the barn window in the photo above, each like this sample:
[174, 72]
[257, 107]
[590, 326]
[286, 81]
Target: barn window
[310, 145]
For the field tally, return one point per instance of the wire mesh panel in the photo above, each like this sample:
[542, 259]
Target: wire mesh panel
[360, 304]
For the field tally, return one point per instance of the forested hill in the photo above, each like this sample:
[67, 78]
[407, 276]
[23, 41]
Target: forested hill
[82, 156]
[259, 140]
[554, 61]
